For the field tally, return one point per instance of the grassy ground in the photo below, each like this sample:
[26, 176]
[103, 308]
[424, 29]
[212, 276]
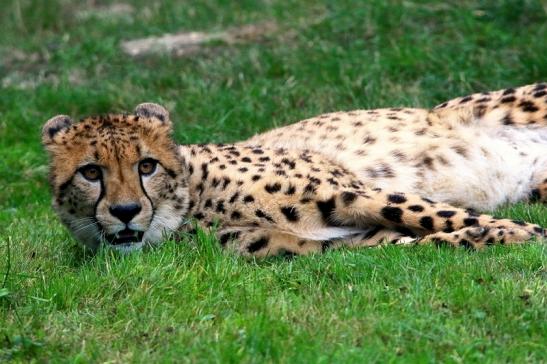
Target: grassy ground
[189, 302]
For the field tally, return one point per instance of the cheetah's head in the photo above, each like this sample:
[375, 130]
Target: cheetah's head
[117, 180]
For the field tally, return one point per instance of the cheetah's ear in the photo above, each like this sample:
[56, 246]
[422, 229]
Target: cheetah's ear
[54, 126]
[148, 110]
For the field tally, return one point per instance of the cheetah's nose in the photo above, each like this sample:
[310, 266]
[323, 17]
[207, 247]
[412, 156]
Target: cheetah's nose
[125, 212]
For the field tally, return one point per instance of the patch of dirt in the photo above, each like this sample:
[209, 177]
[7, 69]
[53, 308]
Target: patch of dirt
[187, 43]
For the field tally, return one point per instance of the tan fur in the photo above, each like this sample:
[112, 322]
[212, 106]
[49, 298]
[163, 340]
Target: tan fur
[343, 179]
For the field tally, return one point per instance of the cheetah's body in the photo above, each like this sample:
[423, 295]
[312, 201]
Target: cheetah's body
[347, 178]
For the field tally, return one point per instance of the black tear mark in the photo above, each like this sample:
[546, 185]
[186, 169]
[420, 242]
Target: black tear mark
[392, 214]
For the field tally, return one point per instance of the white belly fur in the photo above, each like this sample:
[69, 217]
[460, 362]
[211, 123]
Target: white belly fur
[506, 173]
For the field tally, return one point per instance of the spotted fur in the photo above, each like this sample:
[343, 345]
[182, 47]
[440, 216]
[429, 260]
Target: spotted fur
[357, 178]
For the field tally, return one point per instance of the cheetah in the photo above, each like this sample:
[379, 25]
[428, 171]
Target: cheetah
[356, 179]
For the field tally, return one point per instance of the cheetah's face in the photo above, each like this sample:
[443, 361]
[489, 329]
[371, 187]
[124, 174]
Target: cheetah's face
[117, 180]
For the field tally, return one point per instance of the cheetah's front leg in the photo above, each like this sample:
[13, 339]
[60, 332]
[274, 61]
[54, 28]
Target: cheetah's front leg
[477, 237]
[262, 242]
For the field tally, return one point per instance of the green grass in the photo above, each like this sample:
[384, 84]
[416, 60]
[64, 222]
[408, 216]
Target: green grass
[189, 302]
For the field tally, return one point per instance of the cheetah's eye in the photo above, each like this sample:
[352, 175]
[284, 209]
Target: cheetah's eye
[147, 166]
[91, 172]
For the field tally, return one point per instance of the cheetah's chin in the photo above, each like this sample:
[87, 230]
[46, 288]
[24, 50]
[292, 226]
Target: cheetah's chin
[125, 241]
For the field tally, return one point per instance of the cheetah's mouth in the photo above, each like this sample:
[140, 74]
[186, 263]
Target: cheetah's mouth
[124, 237]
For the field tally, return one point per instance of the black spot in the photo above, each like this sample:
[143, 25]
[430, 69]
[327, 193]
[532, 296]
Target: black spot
[273, 187]
[234, 197]
[310, 188]
[466, 244]
[220, 207]
[396, 198]
[291, 213]
[466, 99]
[236, 215]
[416, 208]
[224, 238]
[290, 190]
[208, 204]
[261, 214]
[246, 160]
[198, 216]
[508, 91]
[507, 99]
[508, 120]
[204, 171]
[248, 199]
[264, 159]
[326, 208]
[446, 213]
[257, 151]
[258, 244]
[370, 233]
[348, 197]
[535, 195]
[426, 222]
[449, 226]
[392, 213]
[215, 182]
[540, 94]
[528, 106]
[405, 231]
[255, 178]
[243, 169]
[519, 222]
[225, 182]
[325, 245]
[289, 163]
[470, 221]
